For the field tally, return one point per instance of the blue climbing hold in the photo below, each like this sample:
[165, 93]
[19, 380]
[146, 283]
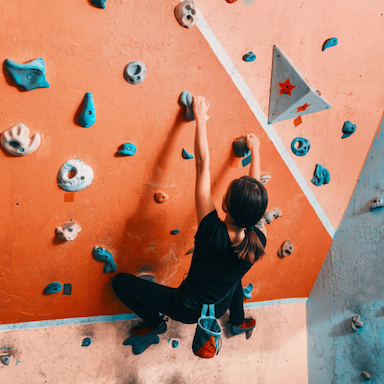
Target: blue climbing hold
[186, 100]
[53, 287]
[187, 155]
[87, 115]
[329, 43]
[247, 291]
[321, 175]
[141, 343]
[86, 342]
[99, 3]
[30, 75]
[250, 56]
[175, 343]
[175, 231]
[300, 146]
[348, 129]
[247, 160]
[128, 149]
[102, 254]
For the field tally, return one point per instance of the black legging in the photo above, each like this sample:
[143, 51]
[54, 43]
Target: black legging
[148, 299]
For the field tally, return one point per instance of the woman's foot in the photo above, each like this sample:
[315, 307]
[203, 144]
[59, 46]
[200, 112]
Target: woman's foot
[248, 325]
[142, 328]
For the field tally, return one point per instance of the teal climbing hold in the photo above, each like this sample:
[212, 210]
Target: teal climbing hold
[186, 101]
[102, 254]
[300, 146]
[30, 75]
[86, 342]
[247, 291]
[53, 287]
[141, 343]
[175, 231]
[329, 43]
[321, 175]
[348, 129]
[175, 343]
[250, 56]
[87, 115]
[246, 160]
[128, 149]
[99, 3]
[187, 155]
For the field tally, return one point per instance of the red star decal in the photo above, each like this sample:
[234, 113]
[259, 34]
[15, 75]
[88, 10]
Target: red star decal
[286, 88]
[303, 107]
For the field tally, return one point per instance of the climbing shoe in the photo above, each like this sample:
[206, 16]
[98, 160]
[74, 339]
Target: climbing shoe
[142, 328]
[248, 325]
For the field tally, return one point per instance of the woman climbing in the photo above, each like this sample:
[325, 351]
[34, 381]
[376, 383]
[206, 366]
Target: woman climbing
[224, 250]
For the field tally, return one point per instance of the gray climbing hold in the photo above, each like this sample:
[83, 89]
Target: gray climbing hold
[53, 288]
[191, 251]
[147, 276]
[270, 215]
[185, 99]
[187, 155]
[321, 175]
[300, 146]
[377, 204]
[175, 231]
[30, 75]
[128, 149]
[175, 343]
[87, 115]
[265, 178]
[348, 129]
[356, 324]
[186, 14]
[366, 376]
[135, 72]
[5, 359]
[82, 179]
[250, 56]
[102, 254]
[247, 291]
[329, 43]
[286, 249]
[240, 147]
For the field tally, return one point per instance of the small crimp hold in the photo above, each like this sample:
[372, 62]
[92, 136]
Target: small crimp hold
[5, 359]
[321, 175]
[329, 43]
[356, 324]
[247, 291]
[53, 288]
[99, 3]
[175, 343]
[87, 115]
[377, 203]
[286, 249]
[240, 147]
[175, 231]
[68, 231]
[348, 129]
[102, 254]
[250, 56]
[147, 276]
[86, 342]
[161, 197]
[191, 251]
[187, 155]
[366, 376]
[265, 178]
[127, 149]
[270, 215]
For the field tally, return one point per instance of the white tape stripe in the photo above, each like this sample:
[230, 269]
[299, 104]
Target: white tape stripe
[262, 118]
[130, 316]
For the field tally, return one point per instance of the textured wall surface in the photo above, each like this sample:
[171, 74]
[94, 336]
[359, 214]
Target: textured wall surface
[351, 283]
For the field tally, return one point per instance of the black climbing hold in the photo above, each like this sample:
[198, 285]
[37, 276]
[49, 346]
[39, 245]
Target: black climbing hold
[175, 231]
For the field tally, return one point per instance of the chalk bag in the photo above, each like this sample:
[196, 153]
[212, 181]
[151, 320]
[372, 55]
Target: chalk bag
[207, 340]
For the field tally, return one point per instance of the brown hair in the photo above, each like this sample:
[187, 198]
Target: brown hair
[246, 201]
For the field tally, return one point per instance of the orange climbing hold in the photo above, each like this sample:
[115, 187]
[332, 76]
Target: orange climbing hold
[161, 197]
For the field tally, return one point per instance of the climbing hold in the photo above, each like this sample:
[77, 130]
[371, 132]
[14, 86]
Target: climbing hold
[186, 100]
[102, 254]
[286, 249]
[128, 149]
[366, 376]
[161, 197]
[247, 160]
[329, 43]
[321, 175]
[185, 13]
[250, 56]
[300, 146]
[53, 287]
[240, 147]
[135, 72]
[356, 324]
[82, 178]
[67, 289]
[30, 75]
[87, 115]
[191, 251]
[291, 95]
[147, 276]
[68, 231]
[99, 3]
[270, 215]
[377, 203]
[231, 1]
[16, 141]
[265, 178]
[175, 231]
[86, 342]
[141, 343]
[5, 359]
[348, 129]
[247, 291]
[187, 155]
[175, 343]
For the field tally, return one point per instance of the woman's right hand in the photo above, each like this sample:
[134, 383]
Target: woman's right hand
[200, 108]
[253, 142]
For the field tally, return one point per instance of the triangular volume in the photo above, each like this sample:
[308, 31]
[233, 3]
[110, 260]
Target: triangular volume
[291, 93]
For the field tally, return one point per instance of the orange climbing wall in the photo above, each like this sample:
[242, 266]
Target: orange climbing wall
[85, 50]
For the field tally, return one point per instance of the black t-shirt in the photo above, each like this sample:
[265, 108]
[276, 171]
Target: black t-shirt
[215, 268]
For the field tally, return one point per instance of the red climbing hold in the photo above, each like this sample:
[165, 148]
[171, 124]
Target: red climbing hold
[286, 88]
[303, 107]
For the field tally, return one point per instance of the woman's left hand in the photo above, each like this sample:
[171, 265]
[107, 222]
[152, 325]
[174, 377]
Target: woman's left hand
[200, 108]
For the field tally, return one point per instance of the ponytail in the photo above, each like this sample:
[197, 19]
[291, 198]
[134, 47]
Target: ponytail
[250, 248]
